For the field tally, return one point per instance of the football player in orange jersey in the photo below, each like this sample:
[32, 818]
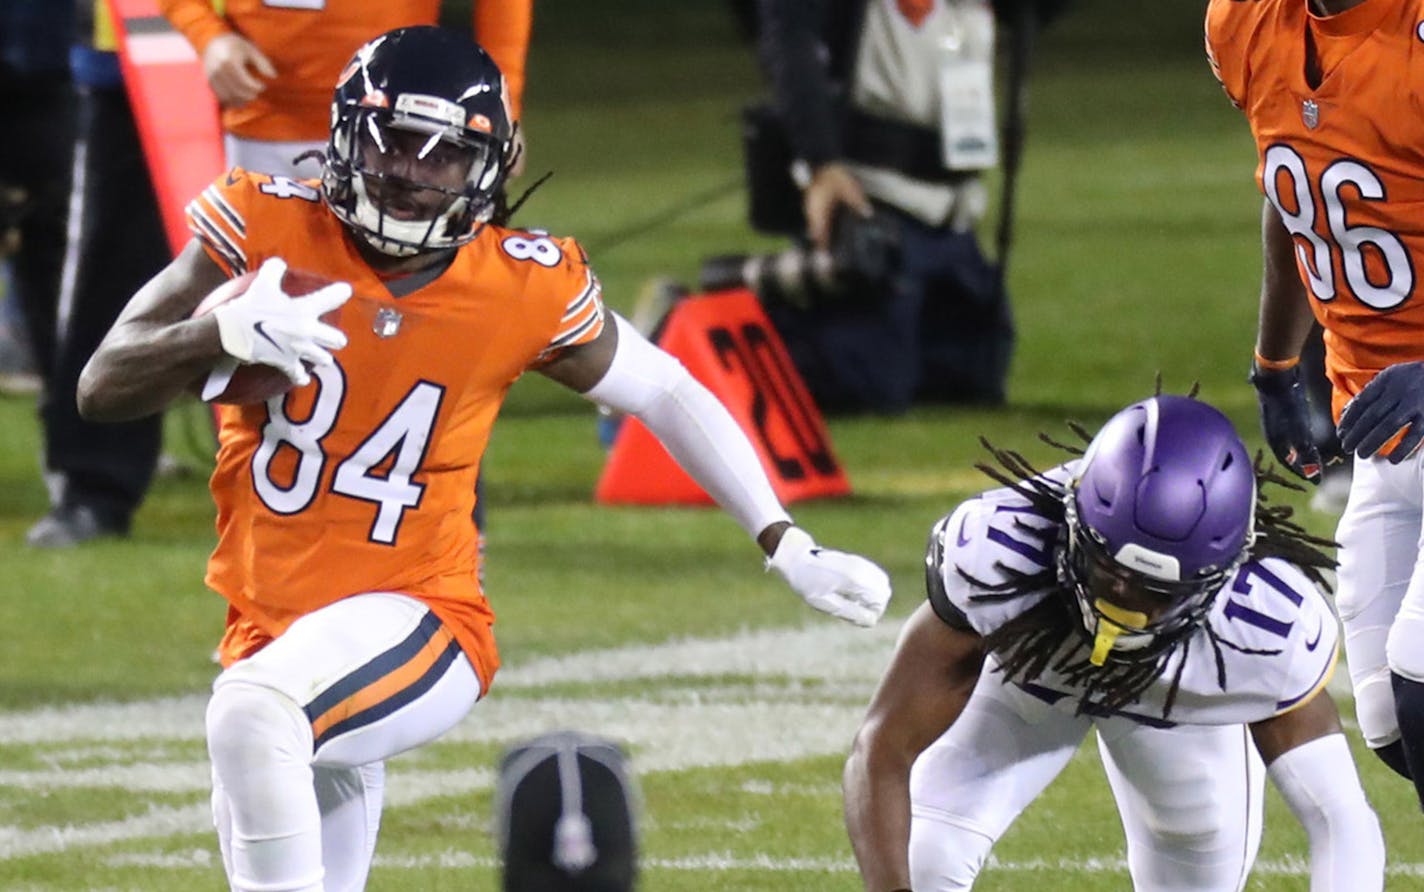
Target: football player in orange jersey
[1327, 87]
[271, 63]
[356, 625]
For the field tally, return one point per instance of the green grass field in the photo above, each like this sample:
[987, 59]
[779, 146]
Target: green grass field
[1136, 253]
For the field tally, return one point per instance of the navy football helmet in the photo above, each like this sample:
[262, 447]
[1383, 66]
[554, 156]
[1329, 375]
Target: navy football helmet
[1160, 514]
[420, 141]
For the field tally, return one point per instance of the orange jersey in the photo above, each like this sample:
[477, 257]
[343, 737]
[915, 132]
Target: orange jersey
[1343, 163]
[310, 42]
[364, 480]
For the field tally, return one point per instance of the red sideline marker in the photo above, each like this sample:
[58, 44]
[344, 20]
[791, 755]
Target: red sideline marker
[176, 113]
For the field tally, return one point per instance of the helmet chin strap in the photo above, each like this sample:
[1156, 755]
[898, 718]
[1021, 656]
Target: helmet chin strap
[1113, 621]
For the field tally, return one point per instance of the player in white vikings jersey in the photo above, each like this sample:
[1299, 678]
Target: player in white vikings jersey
[1142, 591]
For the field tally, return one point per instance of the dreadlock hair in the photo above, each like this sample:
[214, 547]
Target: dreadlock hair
[1050, 634]
[503, 210]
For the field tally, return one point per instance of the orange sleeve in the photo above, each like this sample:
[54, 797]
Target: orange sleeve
[218, 219]
[1223, 53]
[502, 28]
[196, 20]
[584, 315]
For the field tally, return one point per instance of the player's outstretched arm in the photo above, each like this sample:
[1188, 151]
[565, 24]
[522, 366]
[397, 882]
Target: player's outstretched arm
[622, 370]
[1309, 761]
[923, 691]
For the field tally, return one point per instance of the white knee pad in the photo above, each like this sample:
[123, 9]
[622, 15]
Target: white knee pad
[260, 744]
[1374, 709]
[945, 857]
[1403, 647]
[249, 725]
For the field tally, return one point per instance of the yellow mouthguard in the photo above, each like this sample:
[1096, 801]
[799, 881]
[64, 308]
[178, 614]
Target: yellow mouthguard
[1112, 622]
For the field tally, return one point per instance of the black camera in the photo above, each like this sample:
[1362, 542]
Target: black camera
[864, 255]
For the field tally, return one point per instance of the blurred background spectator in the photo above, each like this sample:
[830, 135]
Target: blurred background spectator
[96, 474]
[871, 155]
[35, 91]
[273, 63]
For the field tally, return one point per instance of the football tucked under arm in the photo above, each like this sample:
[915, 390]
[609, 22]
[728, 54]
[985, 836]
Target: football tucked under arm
[275, 323]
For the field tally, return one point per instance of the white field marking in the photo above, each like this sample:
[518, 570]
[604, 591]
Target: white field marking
[714, 862]
[740, 825]
[168, 718]
[157, 821]
[161, 777]
[833, 652]
[663, 736]
[667, 737]
[785, 726]
[767, 788]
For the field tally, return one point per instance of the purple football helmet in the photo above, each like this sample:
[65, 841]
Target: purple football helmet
[1161, 512]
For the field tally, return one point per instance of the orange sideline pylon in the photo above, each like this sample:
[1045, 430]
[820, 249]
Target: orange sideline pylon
[176, 113]
[728, 344]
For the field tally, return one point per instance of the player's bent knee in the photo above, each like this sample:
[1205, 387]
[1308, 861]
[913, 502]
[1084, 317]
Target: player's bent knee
[1402, 649]
[252, 725]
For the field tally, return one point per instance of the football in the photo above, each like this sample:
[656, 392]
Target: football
[252, 383]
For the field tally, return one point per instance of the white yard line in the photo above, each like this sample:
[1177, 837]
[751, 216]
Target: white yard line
[716, 862]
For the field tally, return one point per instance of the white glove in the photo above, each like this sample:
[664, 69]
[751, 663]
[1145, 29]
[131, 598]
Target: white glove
[844, 585]
[268, 326]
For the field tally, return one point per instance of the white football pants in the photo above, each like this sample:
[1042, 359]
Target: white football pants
[1190, 797]
[277, 158]
[298, 734]
[1380, 595]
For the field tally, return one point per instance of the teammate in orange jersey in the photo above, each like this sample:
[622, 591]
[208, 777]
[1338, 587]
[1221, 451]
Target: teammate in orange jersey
[1330, 89]
[356, 626]
[271, 63]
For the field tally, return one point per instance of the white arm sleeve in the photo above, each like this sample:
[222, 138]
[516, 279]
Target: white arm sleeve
[1319, 782]
[696, 429]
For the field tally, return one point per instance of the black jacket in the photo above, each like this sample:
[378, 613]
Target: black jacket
[807, 48]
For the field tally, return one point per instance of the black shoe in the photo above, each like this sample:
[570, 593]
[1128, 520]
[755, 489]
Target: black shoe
[70, 525]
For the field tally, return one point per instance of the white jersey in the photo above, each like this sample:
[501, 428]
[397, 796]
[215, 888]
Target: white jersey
[1279, 634]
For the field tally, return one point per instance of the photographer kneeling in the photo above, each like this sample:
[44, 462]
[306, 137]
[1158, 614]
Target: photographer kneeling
[884, 113]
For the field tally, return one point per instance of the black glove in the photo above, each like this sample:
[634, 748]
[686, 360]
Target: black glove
[1392, 402]
[1285, 419]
